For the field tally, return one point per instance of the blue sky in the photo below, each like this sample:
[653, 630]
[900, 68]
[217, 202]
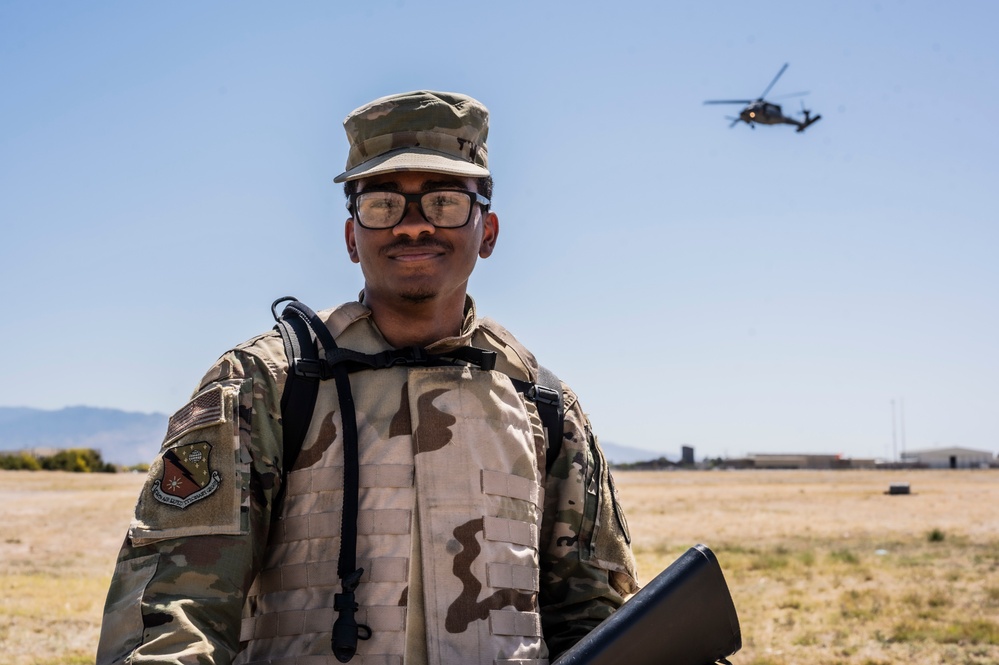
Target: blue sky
[166, 172]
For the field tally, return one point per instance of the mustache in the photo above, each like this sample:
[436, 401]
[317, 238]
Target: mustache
[427, 243]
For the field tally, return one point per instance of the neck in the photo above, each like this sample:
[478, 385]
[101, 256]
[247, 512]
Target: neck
[404, 323]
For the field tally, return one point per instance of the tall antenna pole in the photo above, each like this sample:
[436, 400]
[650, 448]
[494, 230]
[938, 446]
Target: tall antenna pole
[902, 423]
[894, 441]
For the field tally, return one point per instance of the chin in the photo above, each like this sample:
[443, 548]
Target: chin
[417, 296]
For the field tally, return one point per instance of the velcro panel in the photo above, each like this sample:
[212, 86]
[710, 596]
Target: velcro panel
[506, 576]
[511, 531]
[511, 622]
[515, 487]
[206, 409]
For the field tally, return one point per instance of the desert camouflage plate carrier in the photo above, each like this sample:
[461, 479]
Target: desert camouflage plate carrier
[301, 329]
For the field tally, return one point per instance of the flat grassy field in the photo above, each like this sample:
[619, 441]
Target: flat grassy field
[825, 567]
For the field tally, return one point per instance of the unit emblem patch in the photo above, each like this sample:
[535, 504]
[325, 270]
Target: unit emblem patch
[186, 476]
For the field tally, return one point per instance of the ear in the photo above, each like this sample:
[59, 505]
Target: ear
[348, 235]
[490, 232]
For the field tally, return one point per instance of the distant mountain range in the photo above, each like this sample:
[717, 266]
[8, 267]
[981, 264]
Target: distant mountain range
[129, 438]
[617, 454]
[122, 437]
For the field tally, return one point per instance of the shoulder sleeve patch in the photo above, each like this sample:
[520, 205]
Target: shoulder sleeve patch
[195, 485]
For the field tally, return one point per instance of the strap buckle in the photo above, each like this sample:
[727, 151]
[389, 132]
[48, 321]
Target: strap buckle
[312, 369]
[542, 395]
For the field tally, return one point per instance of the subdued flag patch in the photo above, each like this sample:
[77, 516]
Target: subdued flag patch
[186, 476]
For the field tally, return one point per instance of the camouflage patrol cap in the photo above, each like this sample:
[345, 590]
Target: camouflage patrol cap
[440, 132]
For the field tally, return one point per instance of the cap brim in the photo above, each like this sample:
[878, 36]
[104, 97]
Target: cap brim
[414, 159]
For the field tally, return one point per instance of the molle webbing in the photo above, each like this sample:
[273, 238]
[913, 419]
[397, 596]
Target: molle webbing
[301, 329]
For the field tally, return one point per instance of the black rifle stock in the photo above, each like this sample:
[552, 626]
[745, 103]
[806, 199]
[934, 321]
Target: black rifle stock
[685, 616]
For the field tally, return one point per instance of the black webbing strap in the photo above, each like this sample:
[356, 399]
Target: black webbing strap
[547, 396]
[551, 408]
[413, 356]
[346, 630]
[300, 391]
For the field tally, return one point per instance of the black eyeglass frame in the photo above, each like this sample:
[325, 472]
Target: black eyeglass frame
[417, 198]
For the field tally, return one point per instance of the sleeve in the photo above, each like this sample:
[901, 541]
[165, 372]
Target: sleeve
[587, 566]
[201, 524]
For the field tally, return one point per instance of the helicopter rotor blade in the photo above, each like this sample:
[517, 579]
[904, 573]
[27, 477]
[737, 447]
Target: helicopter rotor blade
[729, 101]
[774, 81]
[735, 121]
[792, 94]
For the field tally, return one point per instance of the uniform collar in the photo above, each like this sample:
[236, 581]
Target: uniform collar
[463, 338]
[358, 310]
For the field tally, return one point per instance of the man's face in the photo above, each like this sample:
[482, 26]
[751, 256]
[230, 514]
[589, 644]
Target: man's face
[414, 261]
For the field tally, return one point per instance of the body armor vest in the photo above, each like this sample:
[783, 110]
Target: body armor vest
[450, 509]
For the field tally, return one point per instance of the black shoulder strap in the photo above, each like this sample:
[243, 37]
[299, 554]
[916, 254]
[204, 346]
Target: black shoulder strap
[551, 407]
[301, 324]
[300, 391]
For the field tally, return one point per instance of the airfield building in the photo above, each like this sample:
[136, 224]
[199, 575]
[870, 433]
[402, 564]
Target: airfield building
[949, 458]
[807, 461]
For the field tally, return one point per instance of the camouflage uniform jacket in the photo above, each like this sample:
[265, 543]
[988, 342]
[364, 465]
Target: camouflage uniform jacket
[211, 573]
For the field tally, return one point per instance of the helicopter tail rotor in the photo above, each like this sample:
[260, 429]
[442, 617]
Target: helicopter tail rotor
[808, 118]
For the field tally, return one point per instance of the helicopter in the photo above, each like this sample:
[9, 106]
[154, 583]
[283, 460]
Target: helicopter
[767, 113]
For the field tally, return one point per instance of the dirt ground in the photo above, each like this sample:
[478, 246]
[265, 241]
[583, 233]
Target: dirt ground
[59, 536]
[824, 566]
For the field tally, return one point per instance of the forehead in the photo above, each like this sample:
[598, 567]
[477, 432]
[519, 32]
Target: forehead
[414, 181]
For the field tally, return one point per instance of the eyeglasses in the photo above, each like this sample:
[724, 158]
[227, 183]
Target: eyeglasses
[444, 208]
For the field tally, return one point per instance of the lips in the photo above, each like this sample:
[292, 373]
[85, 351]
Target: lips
[415, 251]
[415, 257]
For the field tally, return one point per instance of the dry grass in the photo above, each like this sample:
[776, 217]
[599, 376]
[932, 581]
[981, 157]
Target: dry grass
[59, 537]
[825, 567]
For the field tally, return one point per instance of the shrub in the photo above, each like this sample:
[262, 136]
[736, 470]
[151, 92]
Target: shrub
[77, 460]
[19, 462]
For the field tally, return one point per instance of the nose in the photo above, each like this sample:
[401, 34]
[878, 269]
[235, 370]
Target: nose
[412, 223]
